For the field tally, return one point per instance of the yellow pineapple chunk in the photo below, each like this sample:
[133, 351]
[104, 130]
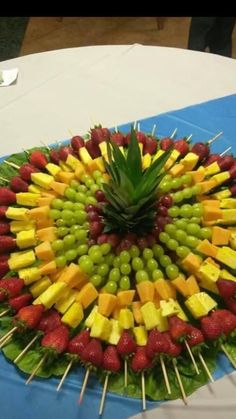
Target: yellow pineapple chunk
[27, 198]
[26, 239]
[19, 260]
[140, 334]
[42, 179]
[53, 169]
[149, 313]
[40, 286]
[17, 226]
[74, 315]
[116, 331]
[101, 327]
[52, 294]
[18, 214]
[68, 298]
[90, 319]
[126, 318]
[29, 275]
[200, 304]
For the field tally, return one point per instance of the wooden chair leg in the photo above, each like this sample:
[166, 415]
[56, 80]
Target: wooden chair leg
[160, 23]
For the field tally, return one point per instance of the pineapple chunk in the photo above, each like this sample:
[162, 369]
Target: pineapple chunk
[150, 316]
[163, 324]
[53, 169]
[126, 318]
[212, 169]
[168, 307]
[229, 203]
[18, 214]
[190, 161]
[63, 304]
[224, 274]
[19, 260]
[40, 286]
[103, 147]
[101, 327]
[227, 256]
[34, 189]
[146, 161]
[74, 315]
[52, 294]
[26, 239]
[17, 226]
[42, 179]
[27, 198]
[29, 275]
[116, 331]
[140, 334]
[208, 272]
[72, 161]
[84, 155]
[90, 319]
[200, 304]
[221, 177]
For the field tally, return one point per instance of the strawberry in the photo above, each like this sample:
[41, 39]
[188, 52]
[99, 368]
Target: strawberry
[231, 304]
[18, 185]
[7, 197]
[93, 353]
[26, 170]
[226, 319]
[79, 342]
[195, 336]
[93, 149]
[50, 320]
[166, 143]
[211, 328]
[97, 135]
[226, 163]
[126, 344]
[111, 360]
[182, 147]
[106, 133]
[201, 149]
[7, 244]
[57, 339]
[4, 267]
[64, 152]
[10, 287]
[140, 361]
[20, 301]
[150, 146]
[3, 210]
[54, 156]
[141, 137]
[227, 289]
[4, 228]
[118, 138]
[29, 316]
[38, 159]
[178, 328]
[77, 142]
[4, 258]
[157, 343]
[213, 158]
[232, 172]
[174, 347]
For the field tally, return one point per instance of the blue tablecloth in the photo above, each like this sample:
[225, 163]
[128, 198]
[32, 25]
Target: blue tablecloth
[40, 400]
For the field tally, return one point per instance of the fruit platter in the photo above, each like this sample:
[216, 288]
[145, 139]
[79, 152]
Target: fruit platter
[118, 257]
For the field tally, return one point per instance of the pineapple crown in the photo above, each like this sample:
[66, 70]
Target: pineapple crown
[131, 191]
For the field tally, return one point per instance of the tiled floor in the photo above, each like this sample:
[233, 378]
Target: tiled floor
[48, 33]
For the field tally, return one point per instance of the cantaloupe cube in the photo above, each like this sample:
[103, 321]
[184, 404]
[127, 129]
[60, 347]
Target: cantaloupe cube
[207, 248]
[177, 170]
[87, 295]
[145, 291]
[74, 315]
[40, 286]
[156, 299]
[198, 175]
[220, 236]
[106, 303]
[39, 212]
[191, 263]
[48, 268]
[96, 164]
[116, 312]
[192, 285]
[165, 289]
[211, 213]
[47, 234]
[211, 202]
[181, 285]
[125, 298]
[44, 223]
[45, 201]
[73, 276]
[136, 309]
[44, 251]
[59, 187]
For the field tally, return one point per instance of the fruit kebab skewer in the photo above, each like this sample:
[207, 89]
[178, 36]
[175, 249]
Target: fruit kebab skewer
[111, 364]
[139, 364]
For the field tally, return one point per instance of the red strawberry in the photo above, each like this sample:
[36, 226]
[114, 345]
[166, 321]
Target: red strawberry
[20, 301]
[38, 159]
[226, 319]
[195, 336]
[126, 344]
[150, 146]
[50, 320]
[10, 287]
[57, 339]
[227, 289]
[7, 244]
[93, 149]
[141, 137]
[157, 343]
[64, 152]
[111, 360]
[211, 328]
[3, 210]
[54, 156]
[118, 138]
[18, 185]
[166, 143]
[77, 142]
[79, 342]
[7, 197]
[4, 228]
[4, 267]
[30, 316]
[174, 347]
[182, 147]
[106, 133]
[178, 328]
[232, 172]
[226, 163]
[93, 353]
[233, 190]
[201, 149]
[4, 258]
[140, 361]
[97, 135]
[231, 304]
[213, 158]
[26, 170]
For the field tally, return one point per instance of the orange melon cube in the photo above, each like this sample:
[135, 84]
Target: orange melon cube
[165, 289]
[211, 213]
[116, 312]
[48, 268]
[177, 170]
[125, 298]
[44, 251]
[207, 248]
[59, 187]
[46, 194]
[47, 234]
[44, 223]
[106, 303]
[191, 263]
[207, 185]
[73, 276]
[192, 285]
[87, 295]
[156, 299]
[136, 309]
[220, 236]
[45, 201]
[56, 275]
[145, 291]
[38, 212]
[181, 285]
[211, 202]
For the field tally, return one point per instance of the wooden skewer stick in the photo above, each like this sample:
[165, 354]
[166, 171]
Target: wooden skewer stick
[165, 375]
[153, 130]
[135, 123]
[7, 334]
[4, 179]
[116, 129]
[3, 313]
[10, 163]
[125, 373]
[65, 375]
[138, 126]
[225, 151]
[25, 151]
[180, 383]
[22, 353]
[228, 356]
[209, 142]
[36, 369]
[103, 394]
[86, 377]
[71, 133]
[192, 357]
[143, 390]
[189, 138]
[45, 145]
[173, 133]
[206, 367]
[5, 341]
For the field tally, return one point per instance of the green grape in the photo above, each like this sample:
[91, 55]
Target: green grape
[196, 189]
[111, 287]
[141, 275]
[116, 262]
[176, 183]
[186, 211]
[134, 251]
[60, 222]
[74, 228]
[165, 261]
[193, 229]
[57, 203]
[94, 188]
[152, 265]
[96, 280]
[105, 248]
[137, 263]
[97, 174]
[167, 177]
[62, 231]
[82, 259]
[71, 222]
[172, 244]
[54, 214]
[187, 193]
[157, 274]
[195, 220]
[70, 194]
[74, 184]
[191, 241]
[164, 237]
[180, 236]
[178, 197]
[182, 252]
[85, 177]
[90, 200]
[81, 236]
[80, 216]
[89, 183]
[147, 253]
[205, 233]
[114, 275]
[197, 210]
[103, 269]
[57, 245]
[87, 265]
[158, 251]
[173, 211]
[124, 283]
[80, 197]
[181, 224]
[99, 182]
[172, 271]
[60, 261]
[68, 205]
[97, 256]
[109, 259]
[82, 188]
[186, 179]
[125, 268]
[124, 256]
[93, 248]
[78, 206]
[88, 193]
[82, 249]
[170, 229]
[69, 240]
[165, 186]
[86, 225]
[71, 255]
[67, 214]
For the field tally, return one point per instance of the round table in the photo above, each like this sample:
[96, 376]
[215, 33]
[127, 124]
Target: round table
[73, 89]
